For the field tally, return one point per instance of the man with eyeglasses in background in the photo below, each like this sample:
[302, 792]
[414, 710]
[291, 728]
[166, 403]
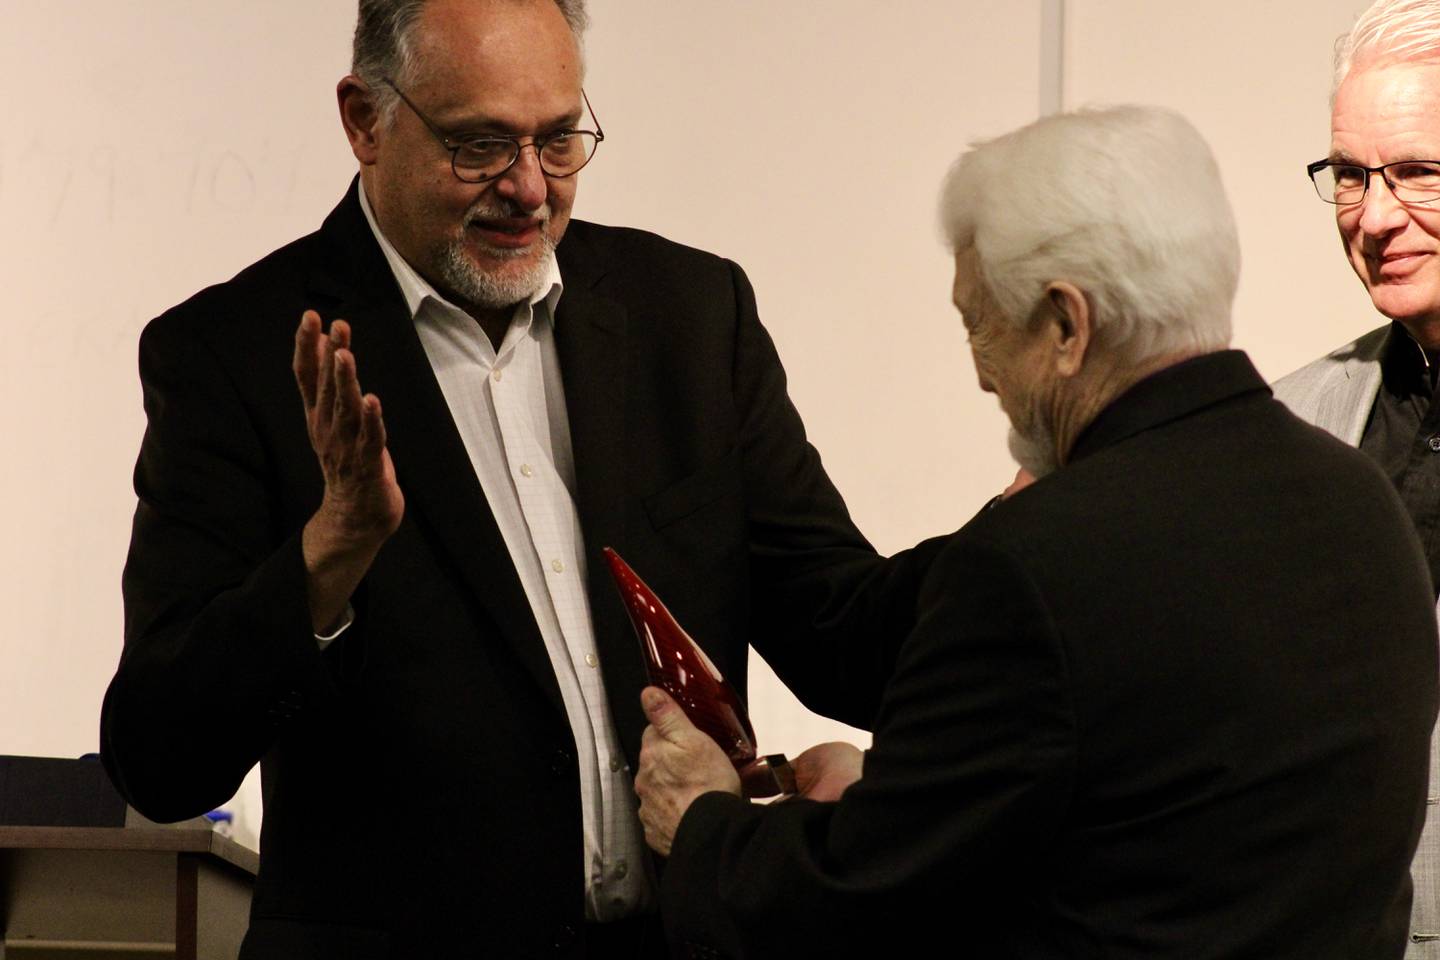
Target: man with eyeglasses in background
[402, 609]
[1378, 392]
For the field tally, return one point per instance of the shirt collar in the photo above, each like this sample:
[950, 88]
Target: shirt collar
[416, 289]
[1403, 365]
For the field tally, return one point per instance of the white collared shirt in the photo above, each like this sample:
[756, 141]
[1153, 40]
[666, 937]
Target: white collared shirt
[509, 407]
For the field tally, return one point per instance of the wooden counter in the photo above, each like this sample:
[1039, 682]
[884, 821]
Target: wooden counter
[83, 893]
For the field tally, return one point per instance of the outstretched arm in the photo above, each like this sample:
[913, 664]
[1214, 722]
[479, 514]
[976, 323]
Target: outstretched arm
[968, 779]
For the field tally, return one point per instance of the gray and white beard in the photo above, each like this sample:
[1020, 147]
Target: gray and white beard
[495, 291]
[1034, 450]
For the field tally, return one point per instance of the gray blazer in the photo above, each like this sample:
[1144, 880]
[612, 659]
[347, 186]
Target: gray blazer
[1335, 393]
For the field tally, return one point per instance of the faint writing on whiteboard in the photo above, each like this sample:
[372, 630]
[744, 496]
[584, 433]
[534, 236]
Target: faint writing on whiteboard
[56, 337]
[47, 183]
[99, 235]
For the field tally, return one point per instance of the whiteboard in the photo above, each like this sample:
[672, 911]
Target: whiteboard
[152, 148]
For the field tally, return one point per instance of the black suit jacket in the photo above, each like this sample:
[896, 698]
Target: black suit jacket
[1171, 701]
[419, 775]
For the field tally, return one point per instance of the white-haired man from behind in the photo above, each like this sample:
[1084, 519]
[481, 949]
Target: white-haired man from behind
[1382, 174]
[1144, 709]
[1156, 296]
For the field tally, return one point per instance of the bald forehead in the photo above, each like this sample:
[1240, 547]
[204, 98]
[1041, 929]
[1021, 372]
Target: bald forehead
[495, 33]
[1385, 113]
[496, 66]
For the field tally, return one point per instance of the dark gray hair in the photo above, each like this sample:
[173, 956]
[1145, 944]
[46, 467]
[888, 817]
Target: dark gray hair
[383, 48]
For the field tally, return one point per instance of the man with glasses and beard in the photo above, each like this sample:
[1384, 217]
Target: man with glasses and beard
[401, 608]
[1382, 175]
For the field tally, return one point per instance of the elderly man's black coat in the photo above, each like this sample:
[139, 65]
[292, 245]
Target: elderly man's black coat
[1172, 701]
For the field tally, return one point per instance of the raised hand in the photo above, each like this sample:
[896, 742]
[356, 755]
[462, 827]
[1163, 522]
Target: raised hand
[362, 505]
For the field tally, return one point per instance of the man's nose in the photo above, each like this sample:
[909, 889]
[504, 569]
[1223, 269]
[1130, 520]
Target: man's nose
[1380, 211]
[524, 183]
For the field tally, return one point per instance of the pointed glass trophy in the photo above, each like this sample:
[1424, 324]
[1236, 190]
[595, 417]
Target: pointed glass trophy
[676, 664]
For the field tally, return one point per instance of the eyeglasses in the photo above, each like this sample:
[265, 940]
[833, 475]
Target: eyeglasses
[478, 159]
[1411, 181]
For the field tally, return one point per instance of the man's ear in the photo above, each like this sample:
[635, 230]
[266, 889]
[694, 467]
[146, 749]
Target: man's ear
[1069, 326]
[359, 117]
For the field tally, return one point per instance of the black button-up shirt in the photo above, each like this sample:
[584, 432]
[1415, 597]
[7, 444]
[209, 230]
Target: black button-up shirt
[1403, 435]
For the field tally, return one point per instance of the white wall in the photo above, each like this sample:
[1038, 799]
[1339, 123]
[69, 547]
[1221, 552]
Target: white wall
[1254, 77]
[155, 146]
[807, 142]
[148, 149]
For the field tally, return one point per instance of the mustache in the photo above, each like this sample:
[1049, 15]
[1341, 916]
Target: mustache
[491, 208]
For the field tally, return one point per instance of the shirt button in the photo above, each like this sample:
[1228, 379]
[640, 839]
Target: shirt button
[526, 470]
[590, 660]
[1434, 443]
[621, 869]
[557, 566]
[618, 903]
[561, 763]
[497, 375]
[565, 936]
[616, 764]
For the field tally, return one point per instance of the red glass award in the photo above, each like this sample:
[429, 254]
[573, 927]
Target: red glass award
[676, 664]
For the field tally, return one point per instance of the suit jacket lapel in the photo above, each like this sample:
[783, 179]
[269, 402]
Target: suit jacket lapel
[1344, 406]
[442, 493]
[591, 342]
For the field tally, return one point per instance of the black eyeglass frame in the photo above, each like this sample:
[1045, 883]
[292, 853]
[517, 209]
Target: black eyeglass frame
[1313, 168]
[538, 142]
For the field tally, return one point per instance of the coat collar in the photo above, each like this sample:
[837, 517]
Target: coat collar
[1343, 392]
[1170, 394]
[594, 346]
[442, 495]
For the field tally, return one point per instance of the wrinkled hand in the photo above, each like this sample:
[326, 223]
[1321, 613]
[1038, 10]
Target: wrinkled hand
[362, 505]
[362, 499]
[1023, 479]
[826, 769]
[677, 764]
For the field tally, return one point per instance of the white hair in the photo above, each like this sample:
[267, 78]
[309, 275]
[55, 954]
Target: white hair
[1125, 203]
[1389, 31]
